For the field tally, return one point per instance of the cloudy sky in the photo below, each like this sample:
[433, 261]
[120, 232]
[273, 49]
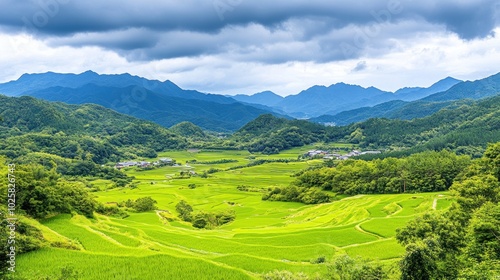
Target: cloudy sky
[247, 46]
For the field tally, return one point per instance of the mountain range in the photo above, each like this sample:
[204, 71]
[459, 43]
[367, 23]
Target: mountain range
[321, 100]
[167, 104]
[459, 94]
[162, 102]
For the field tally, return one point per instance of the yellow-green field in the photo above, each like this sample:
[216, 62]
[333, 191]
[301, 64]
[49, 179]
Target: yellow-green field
[265, 236]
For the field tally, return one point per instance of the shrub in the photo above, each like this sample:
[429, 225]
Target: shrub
[144, 204]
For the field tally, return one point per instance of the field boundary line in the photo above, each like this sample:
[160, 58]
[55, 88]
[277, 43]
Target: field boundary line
[358, 228]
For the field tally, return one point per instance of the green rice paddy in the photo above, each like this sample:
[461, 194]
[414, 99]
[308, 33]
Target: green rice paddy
[265, 236]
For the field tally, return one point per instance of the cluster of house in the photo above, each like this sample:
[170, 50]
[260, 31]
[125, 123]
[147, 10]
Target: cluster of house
[330, 156]
[161, 161]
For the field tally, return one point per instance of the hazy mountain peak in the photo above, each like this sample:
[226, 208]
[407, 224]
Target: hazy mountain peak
[266, 98]
[415, 93]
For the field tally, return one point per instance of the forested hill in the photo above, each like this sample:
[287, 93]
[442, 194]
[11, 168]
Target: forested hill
[270, 134]
[466, 128]
[78, 131]
[188, 129]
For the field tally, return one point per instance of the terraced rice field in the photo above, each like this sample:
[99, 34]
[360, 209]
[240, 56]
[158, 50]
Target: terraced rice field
[265, 236]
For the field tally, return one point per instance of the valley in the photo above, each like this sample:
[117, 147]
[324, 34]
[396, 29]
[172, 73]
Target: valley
[265, 236]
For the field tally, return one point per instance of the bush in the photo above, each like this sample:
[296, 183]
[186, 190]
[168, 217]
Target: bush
[185, 211]
[297, 194]
[144, 204]
[111, 210]
[318, 260]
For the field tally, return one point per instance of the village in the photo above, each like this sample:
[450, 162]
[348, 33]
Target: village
[327, 155]
[145, 164]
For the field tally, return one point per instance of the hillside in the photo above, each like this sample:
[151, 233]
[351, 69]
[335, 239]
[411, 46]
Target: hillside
[466, 129]
[188, 129]
[270, 134]
[78, 132]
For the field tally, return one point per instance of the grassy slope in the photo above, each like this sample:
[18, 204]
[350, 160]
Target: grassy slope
[265, 235]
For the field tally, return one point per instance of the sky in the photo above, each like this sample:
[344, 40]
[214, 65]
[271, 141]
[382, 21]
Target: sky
[248, 46]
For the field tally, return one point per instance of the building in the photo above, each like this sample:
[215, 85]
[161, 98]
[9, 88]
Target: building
[166, 161]
[121, 165]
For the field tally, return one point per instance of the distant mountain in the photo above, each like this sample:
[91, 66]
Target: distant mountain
[411, 94]
[360, 114]
[397, 109]
[162, 102]
[33, 82]
[457, 95]
[478, 89]
[320, 100]
[162, 109]
[266, 98]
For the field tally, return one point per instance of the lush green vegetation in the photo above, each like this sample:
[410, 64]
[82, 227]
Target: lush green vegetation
[423, 172]
[262, 239]
[86, 132]
[462, 242]
[190, 130]
[269, 135]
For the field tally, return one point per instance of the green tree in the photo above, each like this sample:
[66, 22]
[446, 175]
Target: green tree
[200, 220]
[185, 210]
[144, 204]
[483, 234]
[419, 262]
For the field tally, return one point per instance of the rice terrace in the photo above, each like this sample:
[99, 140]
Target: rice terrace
[265, 236]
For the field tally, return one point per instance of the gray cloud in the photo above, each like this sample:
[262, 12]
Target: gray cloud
[360, 66]
[268, 32]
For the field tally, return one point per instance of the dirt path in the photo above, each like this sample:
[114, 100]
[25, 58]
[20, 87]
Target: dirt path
[434, 203]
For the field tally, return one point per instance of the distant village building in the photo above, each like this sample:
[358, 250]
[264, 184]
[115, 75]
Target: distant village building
[166, 161]
[331, 156]
[371, 152]
[313, 153]
[121, 165]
